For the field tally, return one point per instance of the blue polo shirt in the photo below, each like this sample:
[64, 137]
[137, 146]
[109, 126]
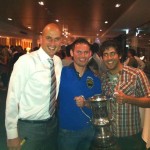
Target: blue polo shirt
[70, 115]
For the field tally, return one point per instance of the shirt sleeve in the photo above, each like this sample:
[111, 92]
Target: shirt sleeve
[17, 83]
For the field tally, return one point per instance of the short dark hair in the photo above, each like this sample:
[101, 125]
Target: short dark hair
[110, 43]
[80, 40]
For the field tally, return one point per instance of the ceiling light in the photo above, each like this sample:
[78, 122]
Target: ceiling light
[137, 32]
[10, 19]
[106, 22]
[117, 5]
[100, 30]
[127, 31]
[57, 20]
[41, 3]
[29, 27]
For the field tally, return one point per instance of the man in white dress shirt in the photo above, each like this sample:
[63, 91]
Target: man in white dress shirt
[29, 124]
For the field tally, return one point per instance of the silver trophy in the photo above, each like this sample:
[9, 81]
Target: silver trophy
[103, 136]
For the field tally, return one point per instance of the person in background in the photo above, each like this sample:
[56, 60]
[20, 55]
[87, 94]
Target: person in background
[133, 60]
[4, 66]
[92, 64]
[17, 52]
[75, 129]
[60, 52]
[30, 124]
[96, 58]
[67, 60]
[141, 64]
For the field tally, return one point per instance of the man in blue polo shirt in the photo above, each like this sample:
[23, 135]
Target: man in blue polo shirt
[75, 129]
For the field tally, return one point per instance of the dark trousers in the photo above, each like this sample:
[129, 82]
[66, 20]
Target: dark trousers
[39, 136]
[134, 142]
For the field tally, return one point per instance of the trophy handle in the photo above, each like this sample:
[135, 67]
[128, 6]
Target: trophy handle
[85, 114]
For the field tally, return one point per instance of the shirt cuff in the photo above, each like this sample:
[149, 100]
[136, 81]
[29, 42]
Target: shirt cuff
[12, 134]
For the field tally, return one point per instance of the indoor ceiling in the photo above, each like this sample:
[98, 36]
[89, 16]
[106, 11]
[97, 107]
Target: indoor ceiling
[81, 17]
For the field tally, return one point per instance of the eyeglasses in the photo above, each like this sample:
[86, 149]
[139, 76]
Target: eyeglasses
[111, 54]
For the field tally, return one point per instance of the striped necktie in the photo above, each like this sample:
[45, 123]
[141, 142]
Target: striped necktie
[53, 88]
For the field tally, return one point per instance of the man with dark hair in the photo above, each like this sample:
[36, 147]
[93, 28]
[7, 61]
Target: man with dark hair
[128, 88]
[75, 129]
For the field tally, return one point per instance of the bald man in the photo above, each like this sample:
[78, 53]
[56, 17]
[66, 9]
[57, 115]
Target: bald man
[30, 123]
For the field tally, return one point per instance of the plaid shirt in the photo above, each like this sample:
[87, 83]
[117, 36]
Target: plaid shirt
[126, 117]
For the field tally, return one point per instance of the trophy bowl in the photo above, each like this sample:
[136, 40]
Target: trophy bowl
[100, 118]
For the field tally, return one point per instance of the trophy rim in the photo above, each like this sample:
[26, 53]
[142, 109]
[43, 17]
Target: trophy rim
[97, 98]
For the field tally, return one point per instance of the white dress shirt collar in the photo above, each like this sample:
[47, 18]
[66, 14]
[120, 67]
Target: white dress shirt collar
[43, 55]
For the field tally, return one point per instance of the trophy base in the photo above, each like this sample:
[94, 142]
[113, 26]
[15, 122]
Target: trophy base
[104, 144]
[112, 147]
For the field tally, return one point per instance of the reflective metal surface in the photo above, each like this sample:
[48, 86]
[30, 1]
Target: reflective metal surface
[101, 121]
